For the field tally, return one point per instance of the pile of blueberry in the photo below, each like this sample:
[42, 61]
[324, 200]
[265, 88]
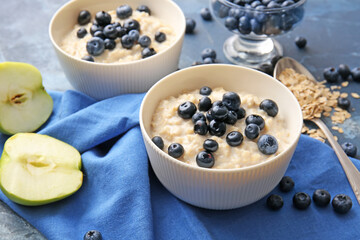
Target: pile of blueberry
[301, 200]
[211, 118]
[104, 32]
[208, 56]
[259, 16]
[343, 72]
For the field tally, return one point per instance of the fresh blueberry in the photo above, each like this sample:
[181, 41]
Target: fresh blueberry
[266, 68]
[231, 117]
[235, 12]
[84, 17]
[256, 3]
[116, 24]
[210, 145]
[200, 127]
[148, 52]
[266, 2]
[321, 197]
[93, 235]
[124, 11]
[341, 203]
[110, 31]
[103, 18]
[300, 42]
[260, 16]
[244, 25]
[143, 8]
[240, 113]
[252, 131]
[287, 3]
[355, 73]
[208, 53]
[257, 119]
[198, 116]
[95, 28]
[88, 58]
[158, 142]
[219, 112]
[344, 71]
[134, 34]
[217, 128]
[217, 103]
[99, 34]
[343, 102]
[121, 31]
[144, 41]
[270, 107]
[273, 4]
[275, 202]
[175, 150]
[301, 200]
[231, 23]
[205, 159]
[127, 41]
[81, 32]
[131, 24]
[267, 144]
[231, 100]
[110, 44]
[349, 148]
[286, 184]
[204, 104]
[190, 25]
[256, 27]
[160, 37]
[209, 115]
[206, 91]
[95, 46]
[331, 75]
[205, 14]
[275, 59]
[186, 110]
[234, 138]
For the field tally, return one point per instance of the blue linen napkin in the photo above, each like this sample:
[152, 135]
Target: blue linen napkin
[122, 198]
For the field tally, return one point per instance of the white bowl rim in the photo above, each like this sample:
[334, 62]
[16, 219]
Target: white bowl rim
[178, 39]
[215, 170]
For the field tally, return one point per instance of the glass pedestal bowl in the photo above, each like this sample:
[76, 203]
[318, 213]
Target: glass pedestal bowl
[254, 24]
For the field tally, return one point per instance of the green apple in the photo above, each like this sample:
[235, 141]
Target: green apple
[24, 103]
[38, 169]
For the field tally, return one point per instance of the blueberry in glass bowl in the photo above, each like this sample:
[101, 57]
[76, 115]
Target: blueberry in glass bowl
[254, 24]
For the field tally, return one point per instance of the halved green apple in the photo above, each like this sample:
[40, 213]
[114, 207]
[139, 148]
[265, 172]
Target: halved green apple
[24, 103]
[38, 169]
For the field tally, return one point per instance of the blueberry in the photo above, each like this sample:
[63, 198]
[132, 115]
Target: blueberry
[131, 24]
[93, 235]
[231, 100]
[210, 145]
[244, 25]
[124, 11]
[109, 43]
[344, 71]
[160, 37]
[95, 46]
[198, 116]
[200, 127]
[235, 12]
[205, 14]
[99, 34]
[186, 110]
[234, 138]
[231, 23]
[204, 104]
[267, 144]
[116, 24]
[110, 31]
[300, 42]
[260, 16]
[148, 52]
[273, 4]
[158, 142]
[134, 34]
[266, 68]
[219, 112]
[121, 31]
[205, 159]
[266, 2]
[190, 25]
[287, 3]
[349, 148]
[103, 18]
[275, 202]
[209, 115]
[127, 41]
[95, 28]
[275, 59]
[286, 184]
[81, 32]
[217, 128]
[256, 27]
[270, 107]
[301, 200]
[175, 150]
[257, 119]
[205, 91]
[355, 73]
[252, 131]
[84, 17]
[144, 8]
[344, 103]
[331, 75]
[88, 58]
[208, 60]
[341, 203]
[208, 53]
[256, 3]
[240, 113]
[144, 41]
[321, 197]
[231, 117]
[217, 103]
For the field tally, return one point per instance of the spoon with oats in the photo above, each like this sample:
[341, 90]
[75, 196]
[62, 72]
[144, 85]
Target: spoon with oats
[312, 97]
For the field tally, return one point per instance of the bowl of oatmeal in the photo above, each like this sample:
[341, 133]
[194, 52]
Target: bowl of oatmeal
[220, 136]
[110, 47]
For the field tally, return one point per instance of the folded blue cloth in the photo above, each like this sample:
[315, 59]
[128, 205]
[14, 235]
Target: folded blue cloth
[122, 198]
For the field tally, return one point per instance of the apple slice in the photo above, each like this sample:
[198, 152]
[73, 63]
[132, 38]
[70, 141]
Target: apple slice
[37, 169]
[24, 103]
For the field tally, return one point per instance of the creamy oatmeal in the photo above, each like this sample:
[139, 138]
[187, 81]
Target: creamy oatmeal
[167, 124]
[149, 25]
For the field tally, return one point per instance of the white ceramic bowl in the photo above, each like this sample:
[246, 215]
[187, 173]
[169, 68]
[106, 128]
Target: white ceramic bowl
[217, 188]
[104, 80]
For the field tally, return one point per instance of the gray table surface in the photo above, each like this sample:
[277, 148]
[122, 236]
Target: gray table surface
[331, 27]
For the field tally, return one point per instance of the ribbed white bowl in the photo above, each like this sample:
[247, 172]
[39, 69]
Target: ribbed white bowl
[104, 80]
[216, 188]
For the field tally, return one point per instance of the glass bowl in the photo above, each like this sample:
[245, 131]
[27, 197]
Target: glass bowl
[254, 24]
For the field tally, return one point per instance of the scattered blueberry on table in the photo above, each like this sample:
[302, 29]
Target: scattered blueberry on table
[300, 42]
[341, 203]
[355, 73]
[286, 184]
[275, 202]
[349, 148]
[344, 71]
[301, 200]
[93, 235]
[331, 75]
[206, 14]
[190, 25]
[343, 102]
[321, 197]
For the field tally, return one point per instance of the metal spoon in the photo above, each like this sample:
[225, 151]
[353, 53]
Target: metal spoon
[352, 173]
